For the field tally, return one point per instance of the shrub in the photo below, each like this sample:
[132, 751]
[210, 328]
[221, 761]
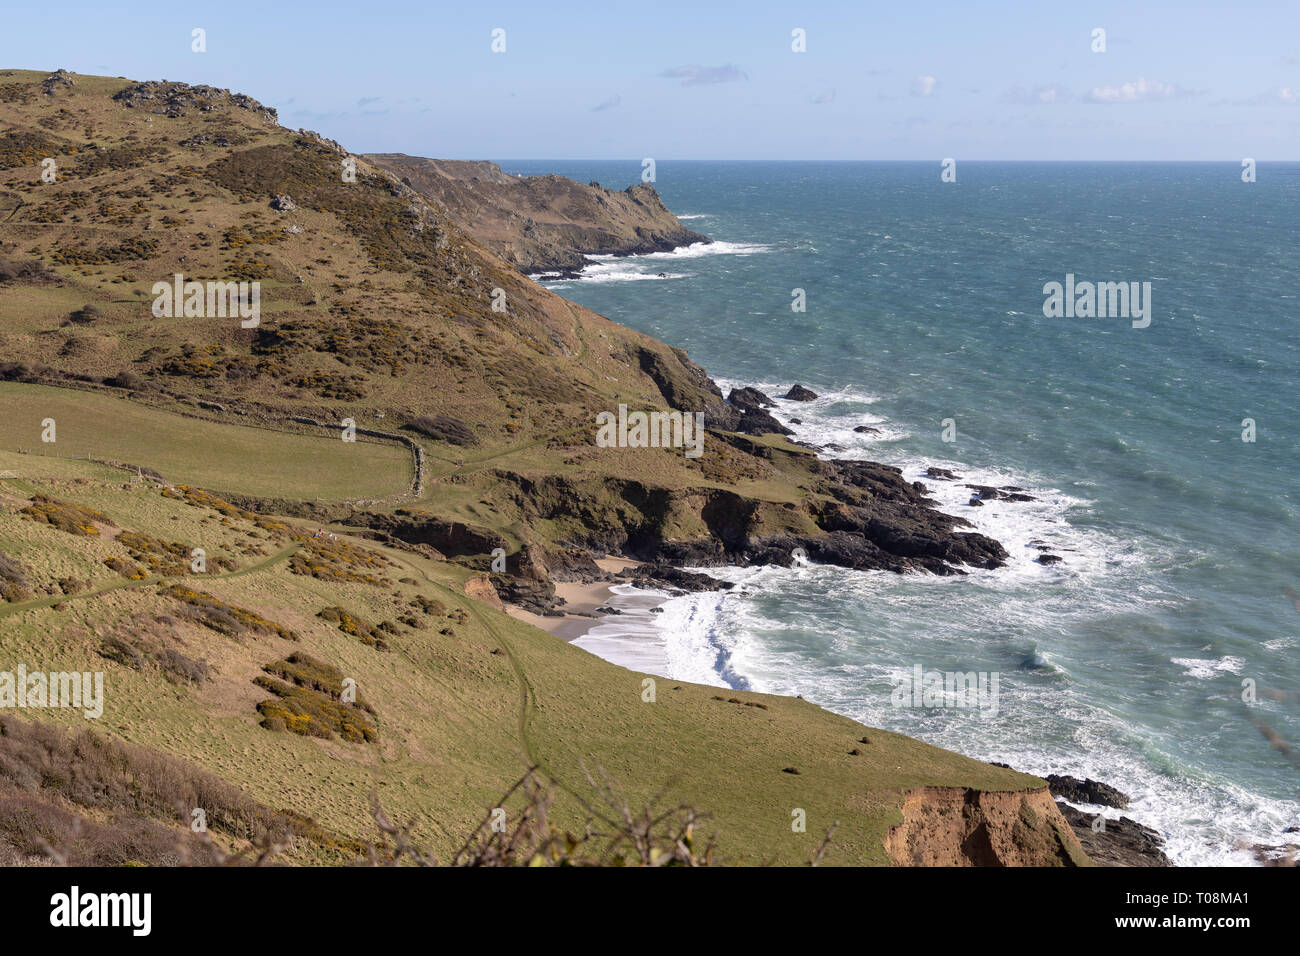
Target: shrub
[86, 315]
[333, 559]
[228, 619]
[312, 704]
[443, 428]
[369, 634]
[14, 586]
[126, 379]
[74, 519]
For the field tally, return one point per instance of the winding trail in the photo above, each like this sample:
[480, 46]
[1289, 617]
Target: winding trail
[527, 695]
[262, 565]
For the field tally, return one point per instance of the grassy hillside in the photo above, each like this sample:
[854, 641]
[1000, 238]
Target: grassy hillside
[228, 457]
[464, 697]
[184, 434]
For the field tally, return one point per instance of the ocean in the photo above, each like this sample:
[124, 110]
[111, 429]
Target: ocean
[1134, 660]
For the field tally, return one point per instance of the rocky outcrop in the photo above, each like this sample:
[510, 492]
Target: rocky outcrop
[542, 223]
[1065, 787]
[451, 538]
[798, 393]
[1121, 842]
[165, 98]
[527, 581]
[58, 80]
[958, 826]
[481, 589]
[663, 577]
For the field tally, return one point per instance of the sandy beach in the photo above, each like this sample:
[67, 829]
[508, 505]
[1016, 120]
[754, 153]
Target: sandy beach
[581, 601]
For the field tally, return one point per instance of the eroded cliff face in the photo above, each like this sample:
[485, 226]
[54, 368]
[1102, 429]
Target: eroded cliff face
[958, 826]
[542, 223]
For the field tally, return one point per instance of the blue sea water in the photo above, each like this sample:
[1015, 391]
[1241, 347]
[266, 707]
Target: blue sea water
[1127, 661]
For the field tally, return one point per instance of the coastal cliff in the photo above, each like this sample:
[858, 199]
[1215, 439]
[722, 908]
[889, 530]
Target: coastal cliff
[542, 223]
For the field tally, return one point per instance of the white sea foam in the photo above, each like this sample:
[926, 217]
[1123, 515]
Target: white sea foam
[1206, 669]
[632, 638]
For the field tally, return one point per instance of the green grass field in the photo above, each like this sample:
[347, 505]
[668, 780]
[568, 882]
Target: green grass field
[463, 703]
[235, 459]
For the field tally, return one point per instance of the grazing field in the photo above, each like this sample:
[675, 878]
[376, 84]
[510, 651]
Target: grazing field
[236, 459]
[462, 697]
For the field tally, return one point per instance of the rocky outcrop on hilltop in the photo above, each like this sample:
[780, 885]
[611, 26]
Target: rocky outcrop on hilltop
[542, 223]
[174, 100]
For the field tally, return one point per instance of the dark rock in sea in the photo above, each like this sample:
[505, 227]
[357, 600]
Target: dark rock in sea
[796, 421]
[1086, 791]
[664, 577]
[606, 609]
[759, 421]
[656, 610]
[834, 447]
[1121, 842]
[694, 391]
[975, 503]
[867, 430]
[798, 393]
[1049, 559]
[1287, 854]
[942, 474]
[986, 492]
[1017, 496]
[750, 397]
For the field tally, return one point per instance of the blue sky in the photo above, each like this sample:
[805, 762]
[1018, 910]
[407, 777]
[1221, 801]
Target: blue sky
[700, 80]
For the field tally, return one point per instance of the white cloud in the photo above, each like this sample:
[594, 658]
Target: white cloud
[1041, 95]
[1141, 89]
[924, 86]
[696, 75]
